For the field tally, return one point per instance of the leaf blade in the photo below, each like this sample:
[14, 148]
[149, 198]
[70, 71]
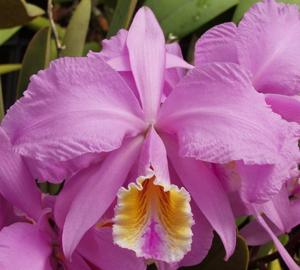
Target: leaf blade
[7, 68]
[7, 33]
[181, 17]
[22, 11]
[76, 32]
[122, 16]
[37, 57]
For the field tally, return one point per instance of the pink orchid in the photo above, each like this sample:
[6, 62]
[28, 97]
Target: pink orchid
[81, 118]
[261, 45]
[36, 245]
[266, 43]
[266, 46]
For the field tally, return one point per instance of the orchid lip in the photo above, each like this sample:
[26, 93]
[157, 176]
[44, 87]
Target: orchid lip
[154, 220]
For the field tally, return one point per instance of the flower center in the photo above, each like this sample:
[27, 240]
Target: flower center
[154, 220]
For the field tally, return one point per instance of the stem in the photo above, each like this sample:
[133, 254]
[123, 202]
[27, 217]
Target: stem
[58, 43]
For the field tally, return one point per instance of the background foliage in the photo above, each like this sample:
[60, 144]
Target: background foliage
[35, 32]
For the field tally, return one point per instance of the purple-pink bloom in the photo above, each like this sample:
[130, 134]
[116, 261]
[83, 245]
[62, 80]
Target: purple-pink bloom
[81, 119]
[265, 43]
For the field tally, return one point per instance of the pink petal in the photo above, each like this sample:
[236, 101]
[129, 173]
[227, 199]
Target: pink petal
[174, 75]
[268, 43]
[77, 106]
[208, 194]
[77, 263]
[153, 158]
[256, 235]
[218, 116]
[7, 214]
[284, 254]
[56, 172]
[295, 213]
[260, 182]
[23, 246]
[287, 106]
[122, 63]
[113, 47]
[97, 247]
[166, 266]
[146, 46]
[277, 210]
[16, 184]
[98, 192]
[174, 61]
[68, 194]
[217, 45]
[202, 239]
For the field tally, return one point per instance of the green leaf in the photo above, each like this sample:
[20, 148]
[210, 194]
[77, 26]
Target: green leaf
[61, 1]
[122, 16]
[7, 33]
[76, 32]
[215, 258]
[91, 46]
[6, 68]
[41, 22]
[17, 12]
[1, 102]
[181, 17]
[33, 11]
[244, 5]
[37, 57]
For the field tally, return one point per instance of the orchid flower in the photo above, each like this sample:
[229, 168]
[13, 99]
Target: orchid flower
[28, 244]
[266, 46]
[80, 118]
[265, 43]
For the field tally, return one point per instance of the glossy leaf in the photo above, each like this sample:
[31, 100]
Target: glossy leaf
[37, 57]
[244, 5]
[7, 33]
[215, 258]
[1, 102]
[122, 16]
[17, 12]
[181, 17]
[76, 32]
[6, 68]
